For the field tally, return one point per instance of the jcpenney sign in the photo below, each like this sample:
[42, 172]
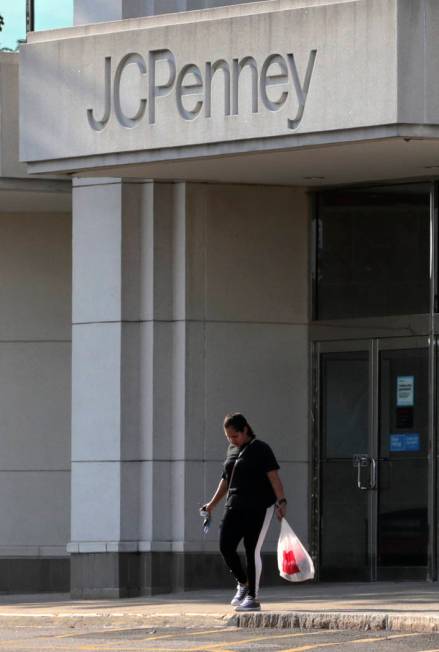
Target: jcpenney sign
[276, 84]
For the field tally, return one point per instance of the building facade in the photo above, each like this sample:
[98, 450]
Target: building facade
[253, 227]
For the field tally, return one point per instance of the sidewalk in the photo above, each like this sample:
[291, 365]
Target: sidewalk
[407, 606]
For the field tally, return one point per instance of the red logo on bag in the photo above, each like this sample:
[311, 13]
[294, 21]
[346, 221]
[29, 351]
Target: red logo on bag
[289, 564]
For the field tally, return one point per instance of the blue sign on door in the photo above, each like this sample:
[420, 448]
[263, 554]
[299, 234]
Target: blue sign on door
[405, 443]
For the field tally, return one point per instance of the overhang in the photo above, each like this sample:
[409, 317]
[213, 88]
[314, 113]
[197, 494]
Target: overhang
[275, 92]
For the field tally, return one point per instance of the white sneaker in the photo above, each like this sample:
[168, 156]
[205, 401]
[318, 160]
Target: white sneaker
[249, 604]
[241, 592]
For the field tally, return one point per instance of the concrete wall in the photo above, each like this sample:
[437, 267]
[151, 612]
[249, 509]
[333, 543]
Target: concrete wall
[9, 163]
[189, 301]
[343, 53]
[35, 352]
[418, 58]
[35, 291]
[248, 313]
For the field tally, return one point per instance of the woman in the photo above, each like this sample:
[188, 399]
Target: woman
[254, 491]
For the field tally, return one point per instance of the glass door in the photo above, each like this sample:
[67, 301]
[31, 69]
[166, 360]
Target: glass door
[403, 469]
[345, 461]
[374, 459]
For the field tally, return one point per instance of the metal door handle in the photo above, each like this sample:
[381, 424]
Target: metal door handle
[361, 462]
[359, 485]
[373, 473]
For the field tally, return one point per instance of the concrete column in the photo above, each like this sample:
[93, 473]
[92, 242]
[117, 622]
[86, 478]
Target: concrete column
[189, 301]
[127, 384]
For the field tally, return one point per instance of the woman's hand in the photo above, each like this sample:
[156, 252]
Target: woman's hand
[281, 509]
[281, 502]
[217, 496]
[208, 507]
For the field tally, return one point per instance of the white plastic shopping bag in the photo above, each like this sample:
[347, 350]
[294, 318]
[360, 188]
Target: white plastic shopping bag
[294, 563]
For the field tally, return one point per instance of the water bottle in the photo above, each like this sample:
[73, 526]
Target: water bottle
[205, 514]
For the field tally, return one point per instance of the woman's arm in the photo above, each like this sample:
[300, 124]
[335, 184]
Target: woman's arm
[219, 494]
[276, 483]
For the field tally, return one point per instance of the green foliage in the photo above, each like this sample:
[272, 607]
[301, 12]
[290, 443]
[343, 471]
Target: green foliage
[4, 48]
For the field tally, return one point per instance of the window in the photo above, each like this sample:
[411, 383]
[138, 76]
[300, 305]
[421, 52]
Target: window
[372, 252]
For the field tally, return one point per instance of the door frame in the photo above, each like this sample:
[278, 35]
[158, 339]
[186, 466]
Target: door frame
[373, 346]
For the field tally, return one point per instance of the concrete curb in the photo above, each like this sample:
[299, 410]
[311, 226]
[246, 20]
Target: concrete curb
[372, 621]
[415, 622]
[117, 619]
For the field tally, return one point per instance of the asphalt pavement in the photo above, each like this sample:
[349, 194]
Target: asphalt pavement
[58, 637]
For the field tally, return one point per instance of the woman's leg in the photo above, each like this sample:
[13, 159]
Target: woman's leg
[231, 533]
[256, 531]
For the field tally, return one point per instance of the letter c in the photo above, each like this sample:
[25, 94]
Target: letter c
[128, 121]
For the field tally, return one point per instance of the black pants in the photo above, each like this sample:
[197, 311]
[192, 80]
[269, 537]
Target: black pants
[251, 526]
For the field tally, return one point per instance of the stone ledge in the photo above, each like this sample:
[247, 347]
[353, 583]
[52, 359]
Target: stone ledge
[366, 621]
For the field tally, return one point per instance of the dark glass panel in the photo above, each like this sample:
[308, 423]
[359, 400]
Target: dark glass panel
[407, 415]
[403, 515]
[373, 252]
[344, 525]
[345, 413]
[403, 488]
[345, 426]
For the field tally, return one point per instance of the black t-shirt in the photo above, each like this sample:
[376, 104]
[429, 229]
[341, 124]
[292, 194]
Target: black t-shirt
[250, 487]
